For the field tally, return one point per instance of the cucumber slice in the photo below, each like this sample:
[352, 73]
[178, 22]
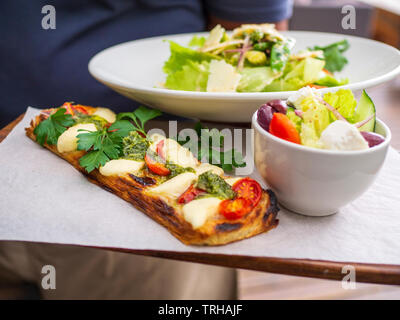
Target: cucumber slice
[365, 108]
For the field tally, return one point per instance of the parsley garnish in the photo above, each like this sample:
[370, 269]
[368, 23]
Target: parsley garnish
[139, 117]
[104, 146]
[50, 129]
[333, 55]
[210, 145]
[107, 143]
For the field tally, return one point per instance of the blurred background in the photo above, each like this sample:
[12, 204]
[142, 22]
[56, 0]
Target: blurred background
[375, 19]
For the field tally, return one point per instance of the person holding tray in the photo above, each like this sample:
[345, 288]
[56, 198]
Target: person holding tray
[45, 64]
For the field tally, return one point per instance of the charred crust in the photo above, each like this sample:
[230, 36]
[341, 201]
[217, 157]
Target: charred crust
[226, 227]
[144, 181]
[167, 213]
[106, 188]
[129, 183]
[137, 201]
[273, 207]
[89, 177]
[165, 208]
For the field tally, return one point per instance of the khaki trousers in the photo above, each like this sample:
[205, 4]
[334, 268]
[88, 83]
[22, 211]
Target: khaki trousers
[86, 273]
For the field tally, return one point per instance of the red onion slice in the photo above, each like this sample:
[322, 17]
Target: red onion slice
[245, 48]
[298, 113]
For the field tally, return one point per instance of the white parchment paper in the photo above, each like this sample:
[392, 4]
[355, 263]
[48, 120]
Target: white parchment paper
[43, 198]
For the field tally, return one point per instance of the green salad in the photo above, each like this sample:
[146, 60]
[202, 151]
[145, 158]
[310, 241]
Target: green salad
[253, 58]
[333, 121]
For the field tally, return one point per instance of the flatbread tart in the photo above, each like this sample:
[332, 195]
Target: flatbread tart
[195, 201]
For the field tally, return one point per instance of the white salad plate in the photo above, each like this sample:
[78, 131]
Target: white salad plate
[134, 69]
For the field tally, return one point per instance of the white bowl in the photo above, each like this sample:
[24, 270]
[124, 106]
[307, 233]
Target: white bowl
[316, 182]
[135, 68]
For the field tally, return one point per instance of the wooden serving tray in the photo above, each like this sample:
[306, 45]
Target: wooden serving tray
[372, 273]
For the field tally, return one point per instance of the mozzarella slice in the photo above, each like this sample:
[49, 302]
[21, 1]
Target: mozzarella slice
[174, 152]
[204, 167]
[156, 138]
[120, 167]
[175, 186]
[196, 212]
[231, 181]
[68, 140]
[223, 77]
[105, 113]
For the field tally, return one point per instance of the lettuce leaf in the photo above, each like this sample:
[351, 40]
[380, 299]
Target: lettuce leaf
[343, 101]
[193, 76]
[330, 81]
[181, 56]
[312, 69]
[187, 69]
[315, 119]
[197, 41]
[308, 136]
[307, 70]
[297, 74]
[315, 114]
[294, 69]
[256, 79]
[284, 85]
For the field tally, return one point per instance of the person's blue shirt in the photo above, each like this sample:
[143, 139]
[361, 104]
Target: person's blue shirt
[44, 68]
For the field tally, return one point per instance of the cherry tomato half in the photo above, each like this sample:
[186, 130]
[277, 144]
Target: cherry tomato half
[190, 193]
[160, 149]
[73, 109]
[235, 209]
[283, 128]
[327, 72]
[80, 109]
[249, 189]
[68, 108]
[316, 86]
[156, 167]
